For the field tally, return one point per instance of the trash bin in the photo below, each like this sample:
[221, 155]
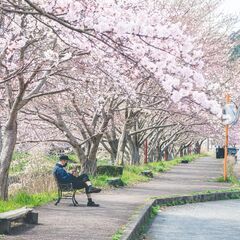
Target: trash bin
[219, 152]
[232, 151]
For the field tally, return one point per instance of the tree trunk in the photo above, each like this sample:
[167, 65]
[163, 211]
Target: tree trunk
[111, 148]
[114, 146]
[159, 153]
[173, 152]
[127, 156]
[113, 141]
[121, 146]
[189, 150]
[134, 150]
[135, 156]
[89, 166]
[1, 137]
[185, 151]
[197, 147]
[8, 145]
[200, 146]
[166, 154]
[80, 153]
[208, 144]
[146, 151]
[181, 152]
[123, 138]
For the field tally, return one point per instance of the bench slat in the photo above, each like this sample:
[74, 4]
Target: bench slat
[14, 214]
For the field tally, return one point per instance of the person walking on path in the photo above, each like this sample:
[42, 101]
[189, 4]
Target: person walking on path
[78, 182]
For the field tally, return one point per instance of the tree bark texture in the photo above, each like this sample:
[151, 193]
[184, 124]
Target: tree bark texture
[8, 145]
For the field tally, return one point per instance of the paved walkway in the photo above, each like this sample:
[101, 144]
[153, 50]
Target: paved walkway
[76, 223]
[199, 221]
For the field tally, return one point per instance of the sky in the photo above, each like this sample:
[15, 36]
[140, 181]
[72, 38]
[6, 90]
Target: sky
[231, 6]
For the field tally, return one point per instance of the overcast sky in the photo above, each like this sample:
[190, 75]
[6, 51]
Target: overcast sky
[231, 6]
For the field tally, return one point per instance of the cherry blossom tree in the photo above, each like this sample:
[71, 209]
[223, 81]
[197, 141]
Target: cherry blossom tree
[110, 72]
[28, 64]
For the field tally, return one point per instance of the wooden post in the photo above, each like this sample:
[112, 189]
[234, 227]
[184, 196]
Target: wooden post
[226, 145]
[145, 151]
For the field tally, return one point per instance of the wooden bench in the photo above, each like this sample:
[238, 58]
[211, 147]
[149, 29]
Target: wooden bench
[66, 188]
[25, 214]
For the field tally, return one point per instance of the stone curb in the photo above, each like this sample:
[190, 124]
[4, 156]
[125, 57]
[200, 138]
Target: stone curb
[136, 226]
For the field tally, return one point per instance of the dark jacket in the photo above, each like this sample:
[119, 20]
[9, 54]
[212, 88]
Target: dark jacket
[62, 175]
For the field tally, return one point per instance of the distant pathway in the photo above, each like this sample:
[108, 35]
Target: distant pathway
[84, 223]
[199, 221]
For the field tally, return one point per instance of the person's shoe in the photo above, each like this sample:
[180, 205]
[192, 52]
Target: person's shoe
[92, 189]
[92, 204]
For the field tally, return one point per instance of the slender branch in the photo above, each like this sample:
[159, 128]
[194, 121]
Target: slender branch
[44, 140]
[45, 94]
[152, 127]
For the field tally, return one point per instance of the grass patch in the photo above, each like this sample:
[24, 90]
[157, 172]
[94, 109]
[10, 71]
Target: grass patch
[164, 166]
[118, 234]
[22, 199]
[132, 173]
[161, 166]
[100, 181]
[221, 179]
[154, 211]
[230, 179]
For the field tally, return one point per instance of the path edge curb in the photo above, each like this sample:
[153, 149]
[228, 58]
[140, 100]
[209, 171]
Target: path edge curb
[134, 228]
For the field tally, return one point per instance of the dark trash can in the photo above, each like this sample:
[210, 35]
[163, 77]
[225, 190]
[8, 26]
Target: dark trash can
[219, 152]
[232, 151]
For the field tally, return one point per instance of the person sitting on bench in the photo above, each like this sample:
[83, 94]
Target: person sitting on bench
[78, 182]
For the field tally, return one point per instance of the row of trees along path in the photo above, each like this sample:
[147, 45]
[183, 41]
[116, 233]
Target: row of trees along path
[111, 74]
